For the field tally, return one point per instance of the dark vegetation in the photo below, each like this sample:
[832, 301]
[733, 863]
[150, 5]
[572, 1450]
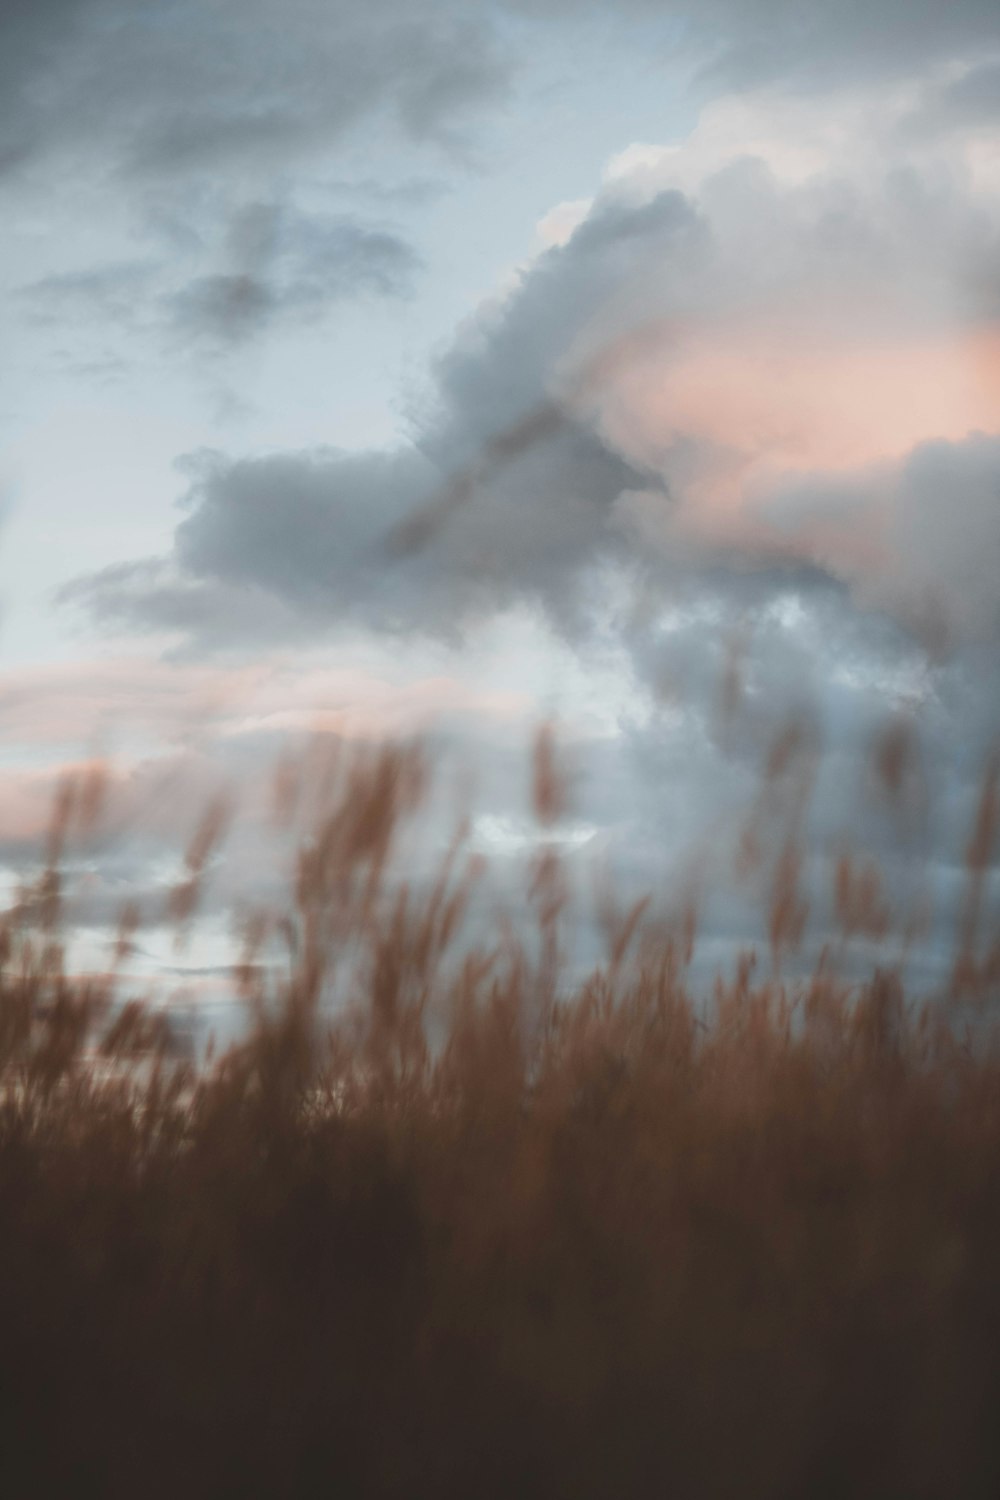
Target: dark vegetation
[479, 1236]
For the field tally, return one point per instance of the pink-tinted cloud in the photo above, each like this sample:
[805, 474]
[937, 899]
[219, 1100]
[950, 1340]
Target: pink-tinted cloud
[146, 700]
[783, 372]
[761, 405]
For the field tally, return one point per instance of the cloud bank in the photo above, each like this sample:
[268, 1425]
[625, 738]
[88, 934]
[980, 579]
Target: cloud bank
[756, 375]
[735, 423]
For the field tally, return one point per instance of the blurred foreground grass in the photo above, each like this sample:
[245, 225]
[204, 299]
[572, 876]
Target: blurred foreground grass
[478, 1236]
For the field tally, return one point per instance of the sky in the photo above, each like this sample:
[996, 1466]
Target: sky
[447, 368]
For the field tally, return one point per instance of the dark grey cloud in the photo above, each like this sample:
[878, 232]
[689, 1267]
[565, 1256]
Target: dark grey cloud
[939, 512]
[178, 86]
[272, 264]
[226, 308]
[33, 37]
[280, 547]
[283, 265]
[947, 535]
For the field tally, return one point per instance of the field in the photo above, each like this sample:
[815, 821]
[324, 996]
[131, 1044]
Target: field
[486, 1230]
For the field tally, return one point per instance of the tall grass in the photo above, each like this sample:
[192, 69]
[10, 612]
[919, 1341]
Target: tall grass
[483, 1232]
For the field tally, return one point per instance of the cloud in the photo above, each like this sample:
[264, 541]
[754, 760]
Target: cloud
[945, 536]
[746, 394]
[163, 89]
[918, 538]
[747, 376]
[194, 120]
[273, 264]
[737, 426]
[183, 88]
[141, 704]
[288, 542]
[285, 265]
[172, 739]
[277, 547]
[740, 44]
[967, 101]
[817, 43]
[105, 294]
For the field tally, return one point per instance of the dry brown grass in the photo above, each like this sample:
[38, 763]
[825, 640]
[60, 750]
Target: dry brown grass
[483, 1237]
